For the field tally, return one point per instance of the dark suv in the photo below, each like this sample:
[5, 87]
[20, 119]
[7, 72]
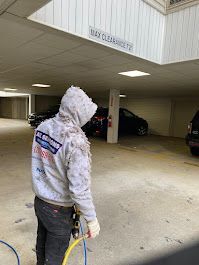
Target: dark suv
[34, 119]
[128, 123]
[192, 138]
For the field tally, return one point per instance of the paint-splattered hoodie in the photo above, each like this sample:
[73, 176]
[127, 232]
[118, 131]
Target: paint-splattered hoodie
[61, 158]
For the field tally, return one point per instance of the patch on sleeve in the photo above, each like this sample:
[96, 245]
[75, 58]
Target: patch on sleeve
[47, 142]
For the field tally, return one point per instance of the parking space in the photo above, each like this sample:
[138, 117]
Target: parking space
[161, 147]
[147, 201]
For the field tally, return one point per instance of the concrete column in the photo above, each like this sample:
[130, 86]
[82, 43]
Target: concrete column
[31, 104]
[27, 107]
[114, 104]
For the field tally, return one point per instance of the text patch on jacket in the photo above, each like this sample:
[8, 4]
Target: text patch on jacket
[47, 142]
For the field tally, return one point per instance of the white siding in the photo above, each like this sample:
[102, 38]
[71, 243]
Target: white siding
[160, 5]
[132, 20]
[184, 111]
[181, 35]
[156, 37]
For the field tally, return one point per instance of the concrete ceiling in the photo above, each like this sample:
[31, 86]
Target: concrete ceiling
[21, 8]
[33, 53]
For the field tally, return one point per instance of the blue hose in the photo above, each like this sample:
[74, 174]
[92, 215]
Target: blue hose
[85, 247]
[9, 246]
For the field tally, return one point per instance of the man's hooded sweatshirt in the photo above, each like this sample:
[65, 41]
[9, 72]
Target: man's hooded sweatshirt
[61, 159]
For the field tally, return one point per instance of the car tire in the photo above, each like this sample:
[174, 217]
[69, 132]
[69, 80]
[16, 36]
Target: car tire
[142, 131]
[194, 151]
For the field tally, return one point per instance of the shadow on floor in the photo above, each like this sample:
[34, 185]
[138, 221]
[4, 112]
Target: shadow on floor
[186, 256]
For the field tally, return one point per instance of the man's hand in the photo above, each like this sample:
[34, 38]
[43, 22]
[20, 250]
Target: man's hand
[93, 228]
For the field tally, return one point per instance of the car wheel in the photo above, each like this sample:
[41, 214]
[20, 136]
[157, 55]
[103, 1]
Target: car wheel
[141, 131]
[194, 151]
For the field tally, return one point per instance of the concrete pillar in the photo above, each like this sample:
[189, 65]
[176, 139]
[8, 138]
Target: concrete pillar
[31, 104]
[114, 104]
[27, 107]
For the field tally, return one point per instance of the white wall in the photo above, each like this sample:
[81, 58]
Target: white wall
[181, 35]
[14, 108]
[156, 37]
[160, 5]
[5, 107]
[132, 20]
[43, 103]
[156, 111]
[19, 108]
[183, 112]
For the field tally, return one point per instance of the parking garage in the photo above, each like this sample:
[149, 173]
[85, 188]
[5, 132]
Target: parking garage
[144, 187]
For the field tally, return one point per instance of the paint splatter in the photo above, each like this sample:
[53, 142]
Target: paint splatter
[89, 250]
[168, 239]
[29, 205]
[20, 220]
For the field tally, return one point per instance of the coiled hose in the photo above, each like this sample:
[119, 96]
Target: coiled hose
[15, 252]
[75, 243]
[85, 246]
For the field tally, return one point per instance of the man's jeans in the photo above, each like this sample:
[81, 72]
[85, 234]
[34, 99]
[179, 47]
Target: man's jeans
[53, 233]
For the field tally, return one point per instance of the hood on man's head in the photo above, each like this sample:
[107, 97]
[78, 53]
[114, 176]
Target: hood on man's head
[76, 105]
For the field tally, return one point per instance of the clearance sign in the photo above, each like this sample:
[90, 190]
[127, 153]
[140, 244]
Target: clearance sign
[110, 40]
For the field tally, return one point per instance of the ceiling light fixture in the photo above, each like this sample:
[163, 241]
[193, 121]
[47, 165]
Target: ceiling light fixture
[12, 94]
[134, 73]
[10, 89]
[41, 85]
[122, 96]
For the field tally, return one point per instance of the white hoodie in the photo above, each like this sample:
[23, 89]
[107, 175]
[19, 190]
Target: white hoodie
[61, 158]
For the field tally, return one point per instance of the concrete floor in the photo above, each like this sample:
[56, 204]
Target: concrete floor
[146, 191]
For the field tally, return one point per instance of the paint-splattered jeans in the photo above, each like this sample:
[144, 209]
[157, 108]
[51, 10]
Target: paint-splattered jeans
[53, 233]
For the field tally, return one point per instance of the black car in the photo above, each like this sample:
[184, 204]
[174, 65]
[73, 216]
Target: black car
[192, 138]
[128, 123]
[34, 119]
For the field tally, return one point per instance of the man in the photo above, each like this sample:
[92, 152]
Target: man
[61, 163]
